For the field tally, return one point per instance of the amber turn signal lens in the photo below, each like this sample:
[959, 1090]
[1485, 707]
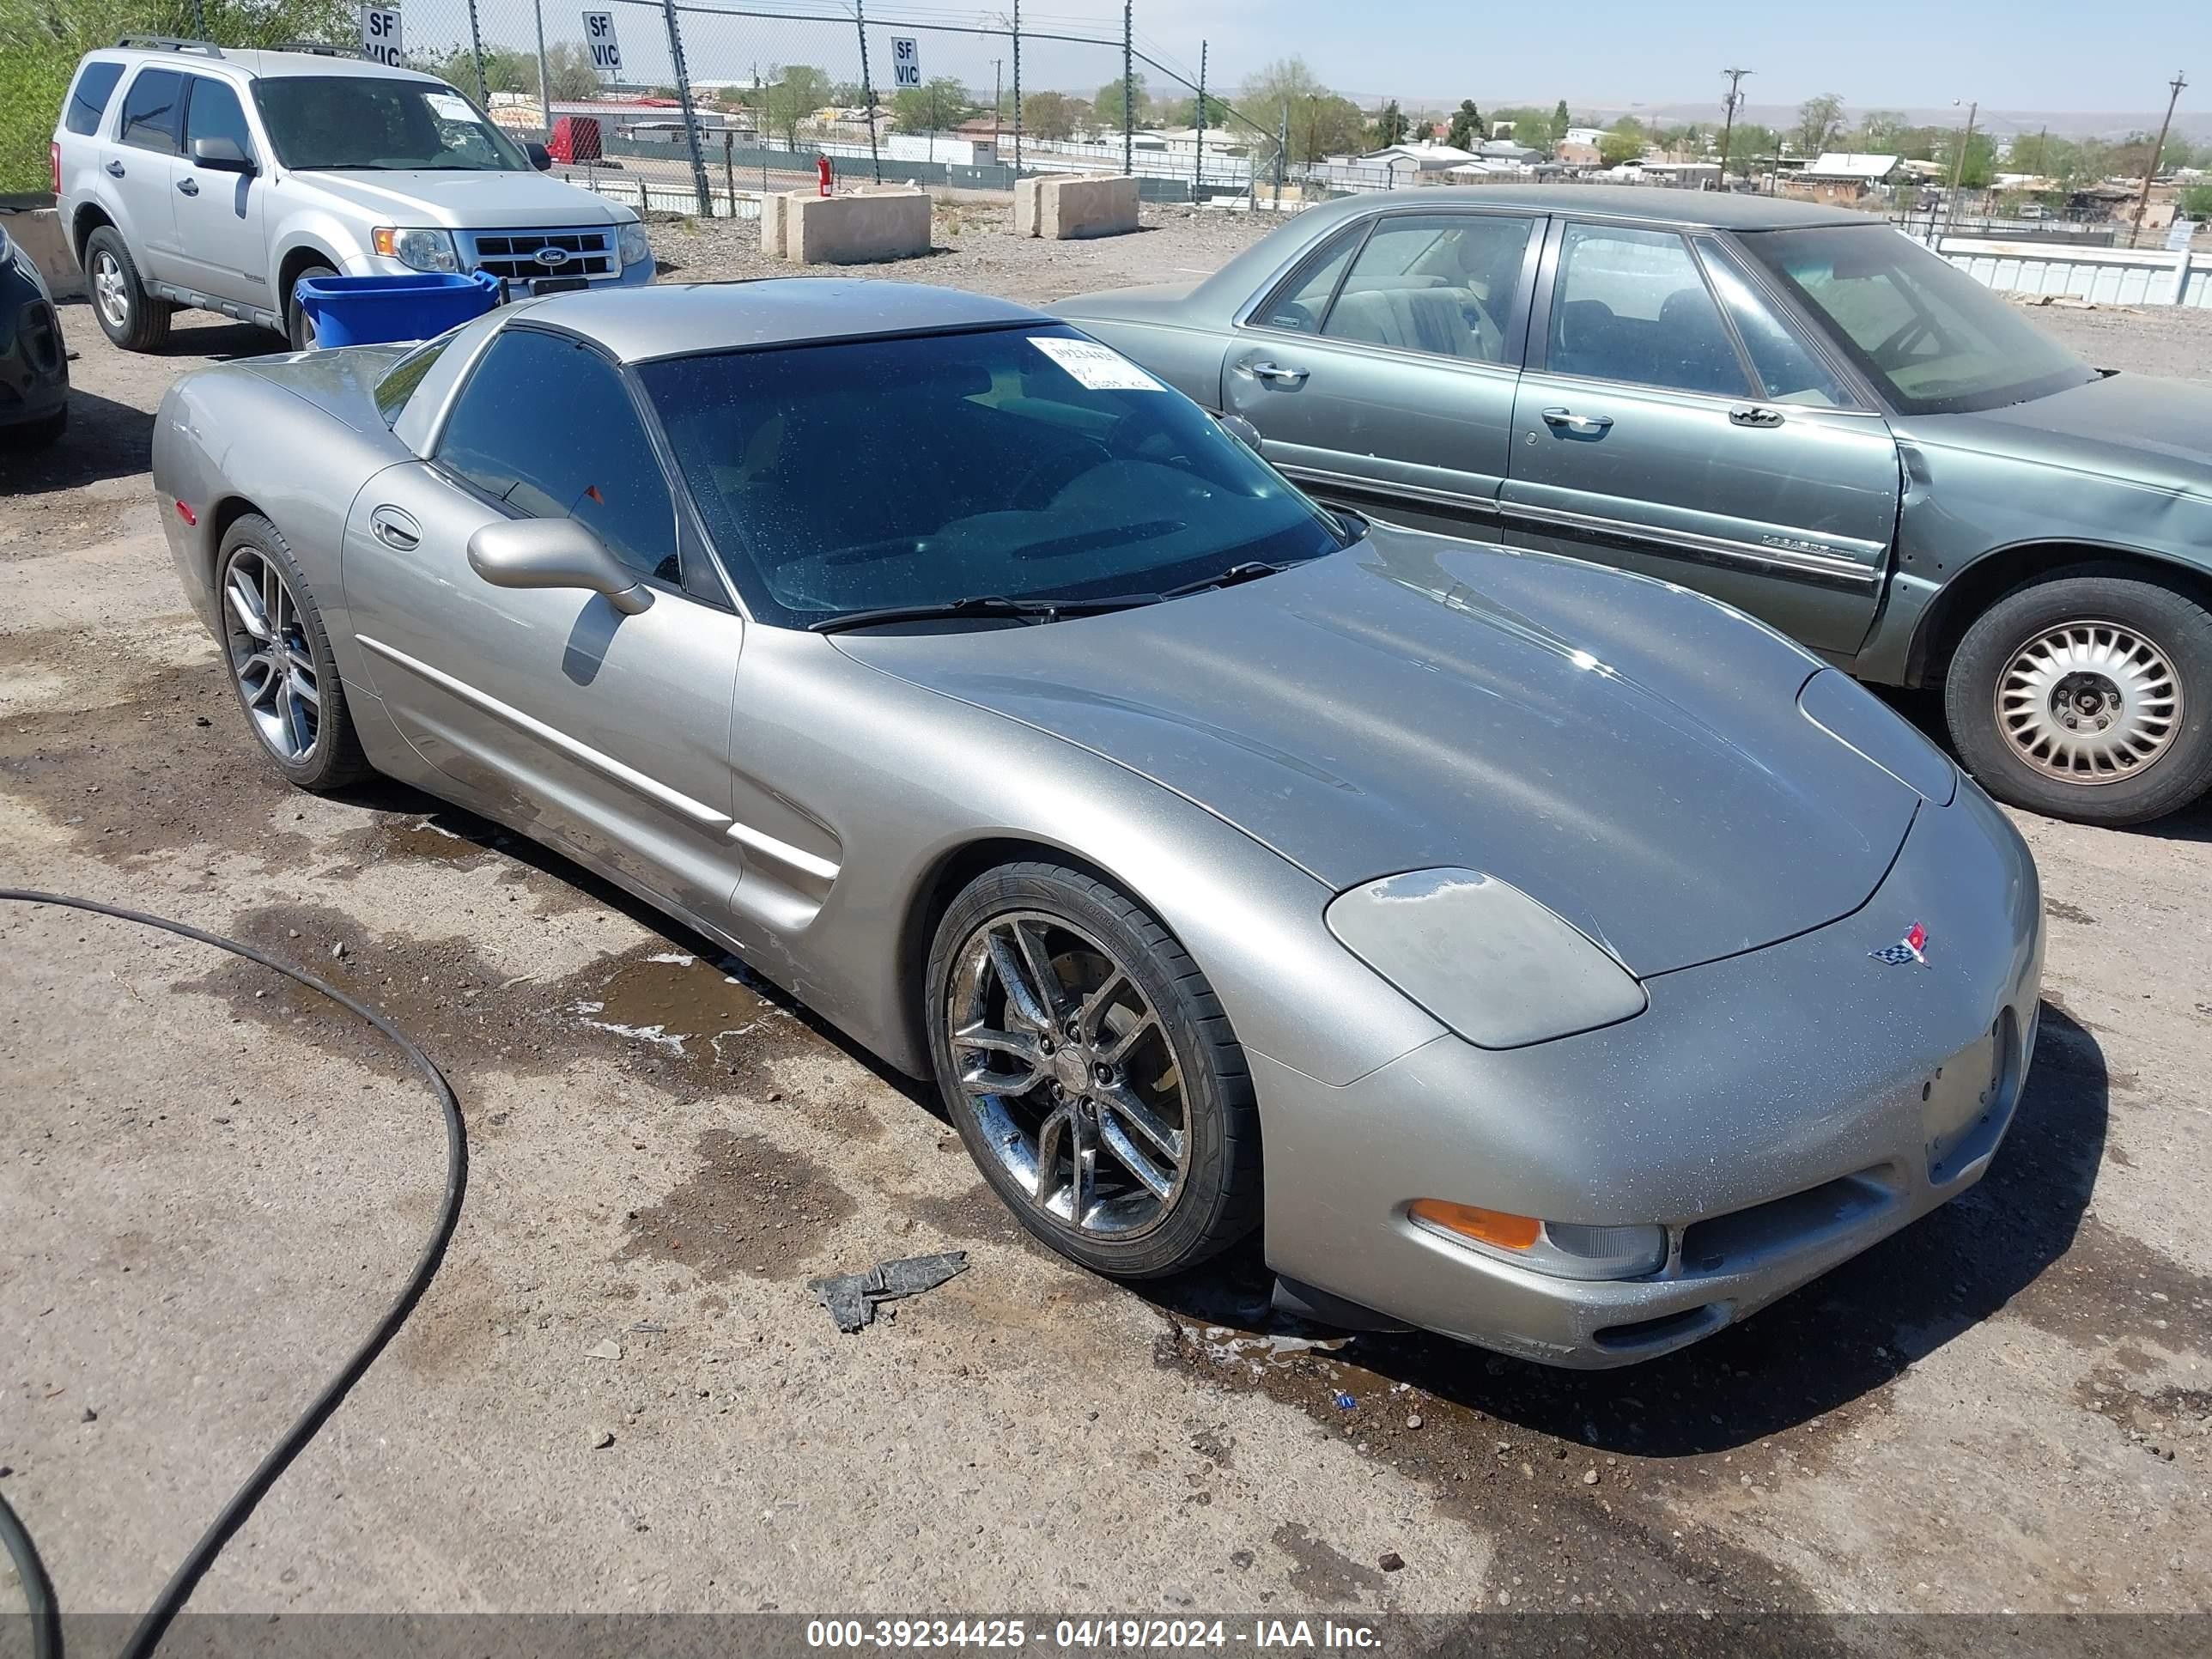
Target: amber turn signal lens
[1511, 1232]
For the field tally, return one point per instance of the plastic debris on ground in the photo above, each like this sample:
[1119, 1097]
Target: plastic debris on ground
[853, 1298]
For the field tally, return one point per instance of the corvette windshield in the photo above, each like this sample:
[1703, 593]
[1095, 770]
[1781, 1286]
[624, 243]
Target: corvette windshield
[1021, 463]
[1939, 342]
[345, 123]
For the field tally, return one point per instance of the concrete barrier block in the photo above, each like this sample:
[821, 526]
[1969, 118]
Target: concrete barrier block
[1068, 209]
[39, 233]
[1026, 206]
[775, 224]
[836, 230]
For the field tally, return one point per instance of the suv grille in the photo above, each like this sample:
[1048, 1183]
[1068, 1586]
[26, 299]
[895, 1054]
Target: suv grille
[514, 253]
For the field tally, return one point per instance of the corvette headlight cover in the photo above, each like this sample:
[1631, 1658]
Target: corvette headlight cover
[1856, 718]
[1483, 957]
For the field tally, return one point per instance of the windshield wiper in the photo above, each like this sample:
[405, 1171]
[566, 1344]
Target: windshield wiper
[980, 605]
[1250, 570]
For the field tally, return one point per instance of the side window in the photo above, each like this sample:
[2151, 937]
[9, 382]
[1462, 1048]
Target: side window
[400, 380]
[1789, 371]
[1300, 303]
[152, 111]
[88, 102]
[1437, 282]
[215, 113]
[545, 425]
[1629, 305]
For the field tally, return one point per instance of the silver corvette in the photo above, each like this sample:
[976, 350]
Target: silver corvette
[1538, 954]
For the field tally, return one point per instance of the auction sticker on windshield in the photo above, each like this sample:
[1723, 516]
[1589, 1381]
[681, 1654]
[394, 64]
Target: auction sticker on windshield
[1098, 366]
[448, 106]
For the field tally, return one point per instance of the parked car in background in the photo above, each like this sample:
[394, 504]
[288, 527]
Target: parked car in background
[196, 175]
[1597, 965]
[34, 381]
[1791, 408]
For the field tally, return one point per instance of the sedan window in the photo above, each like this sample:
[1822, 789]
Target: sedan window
[1629, 305]
[1443, 283]
[1789, 370]
[152, 111]
[1302, 301]
[546, 427]
[1002, 465]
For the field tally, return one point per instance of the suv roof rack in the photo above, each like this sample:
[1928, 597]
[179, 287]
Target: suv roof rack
[166, 43]
[319, 48]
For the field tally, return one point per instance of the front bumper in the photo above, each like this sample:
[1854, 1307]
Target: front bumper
[1779, 1112]
[34, 361]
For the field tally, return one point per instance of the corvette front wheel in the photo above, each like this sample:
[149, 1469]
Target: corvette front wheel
[1092, 1073]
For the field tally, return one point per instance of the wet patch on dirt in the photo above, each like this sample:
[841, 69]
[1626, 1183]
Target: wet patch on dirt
[2168, 1423]
[979, 1216]
[752, 1208]
[669, 1014]
[2111, 1287]
[62, 522]
[1321, 1575]
[2066, 912]
[455, 1326]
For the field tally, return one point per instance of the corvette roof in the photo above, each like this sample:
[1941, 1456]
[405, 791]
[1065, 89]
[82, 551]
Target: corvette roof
[672, 319]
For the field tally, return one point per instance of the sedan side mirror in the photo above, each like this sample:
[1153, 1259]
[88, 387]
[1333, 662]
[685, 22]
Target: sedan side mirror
[1242, 430]
[540, 157]
[222, 155]
[555, 553]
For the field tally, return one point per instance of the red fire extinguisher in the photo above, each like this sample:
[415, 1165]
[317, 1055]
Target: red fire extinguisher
[822, 171]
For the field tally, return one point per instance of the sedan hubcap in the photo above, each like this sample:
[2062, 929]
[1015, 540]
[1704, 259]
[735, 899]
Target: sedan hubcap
[1069, 1073]
[269, 656]
[2089, 702]
[107, 289]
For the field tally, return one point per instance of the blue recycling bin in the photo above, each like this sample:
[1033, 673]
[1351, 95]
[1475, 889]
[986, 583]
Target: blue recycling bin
[373, 310]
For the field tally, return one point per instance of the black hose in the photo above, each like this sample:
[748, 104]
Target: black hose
[38, 1589]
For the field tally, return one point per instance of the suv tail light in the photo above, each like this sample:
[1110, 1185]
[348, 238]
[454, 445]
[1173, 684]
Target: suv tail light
[54, 161]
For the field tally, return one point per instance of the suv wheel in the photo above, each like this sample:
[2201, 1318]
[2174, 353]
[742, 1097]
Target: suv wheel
[299, 327]
[128, 315]
[2088, 698]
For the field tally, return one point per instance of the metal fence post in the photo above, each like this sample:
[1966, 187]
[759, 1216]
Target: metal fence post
[1128, 91]
[1198, 173]
[476, 47]
[200, 20]
[699, 185]
[729, 169]
[868, 90]
[1282, 150]
[1018, 88]
[545, 83]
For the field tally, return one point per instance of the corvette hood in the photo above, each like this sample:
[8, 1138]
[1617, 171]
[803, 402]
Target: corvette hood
[1626, 752]
[457, 200]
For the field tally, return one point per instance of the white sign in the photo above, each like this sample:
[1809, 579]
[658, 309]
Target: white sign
[1100, 367]
[906, 61]
[2178, 235]
[380, 35]
[606, 50]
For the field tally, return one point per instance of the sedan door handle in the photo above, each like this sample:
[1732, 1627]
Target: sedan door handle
[1585, 426]
[1754, 415]
[1279, 375]
[395, 529]
[115, 169]
[190, 186]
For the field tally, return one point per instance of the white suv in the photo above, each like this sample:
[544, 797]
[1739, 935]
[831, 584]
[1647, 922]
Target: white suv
[190, 174]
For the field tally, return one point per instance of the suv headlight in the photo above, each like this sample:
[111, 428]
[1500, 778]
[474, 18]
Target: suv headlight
[418, 250]
[632, 244]
[1483, 957]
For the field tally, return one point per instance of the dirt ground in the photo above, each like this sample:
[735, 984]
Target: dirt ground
[619, 1395]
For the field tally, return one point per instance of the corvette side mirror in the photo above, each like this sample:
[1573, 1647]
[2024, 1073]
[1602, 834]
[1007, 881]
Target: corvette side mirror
[555, 553]
[1242, 430]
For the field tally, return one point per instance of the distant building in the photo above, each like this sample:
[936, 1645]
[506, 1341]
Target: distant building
[1844, 176]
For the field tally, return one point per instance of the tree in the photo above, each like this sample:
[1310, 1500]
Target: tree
[1623, 141]
[941, 103]
[1880, 131]
[1981, 159]
[1747, 145]
[1818, 120]
[1467, 131]
[2197, 202]
[1531, 126]
[792, 97]
[1113, 97]
[1391, 126]
[1561, 122]
[1185, 114]
[1052, 115]
[1278, 91]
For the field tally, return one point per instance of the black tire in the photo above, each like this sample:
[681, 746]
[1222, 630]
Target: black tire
[38, 433]
[1218, 1199]
[144, 324]
[2173, 624]
[334, 760]
[299, 327]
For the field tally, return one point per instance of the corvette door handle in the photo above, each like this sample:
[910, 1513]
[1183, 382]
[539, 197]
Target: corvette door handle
[1278, 374]
[1586, 426]
[395, 529]
[1753, 415]
[189, 186]
[115, 169]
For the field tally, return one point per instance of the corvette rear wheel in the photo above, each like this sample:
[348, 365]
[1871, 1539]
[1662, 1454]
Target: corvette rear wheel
[1092, 1073]
[280, 659]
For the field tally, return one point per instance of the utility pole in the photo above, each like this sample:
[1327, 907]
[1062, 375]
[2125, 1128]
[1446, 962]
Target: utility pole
[997, 103]
[1018, 88]
[544, 95]
[1282, 150]
[1959, 167]
[1728, 125]
[1128, 90]
[2142, 202]
[867, 88]
[1198, 173]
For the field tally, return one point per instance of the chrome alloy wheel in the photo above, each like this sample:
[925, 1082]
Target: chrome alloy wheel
[109, 291]
[1069, 1073]
[270, 655]
[2089, 702]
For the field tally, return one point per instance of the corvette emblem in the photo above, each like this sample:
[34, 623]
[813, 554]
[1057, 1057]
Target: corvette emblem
[1913, 947]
